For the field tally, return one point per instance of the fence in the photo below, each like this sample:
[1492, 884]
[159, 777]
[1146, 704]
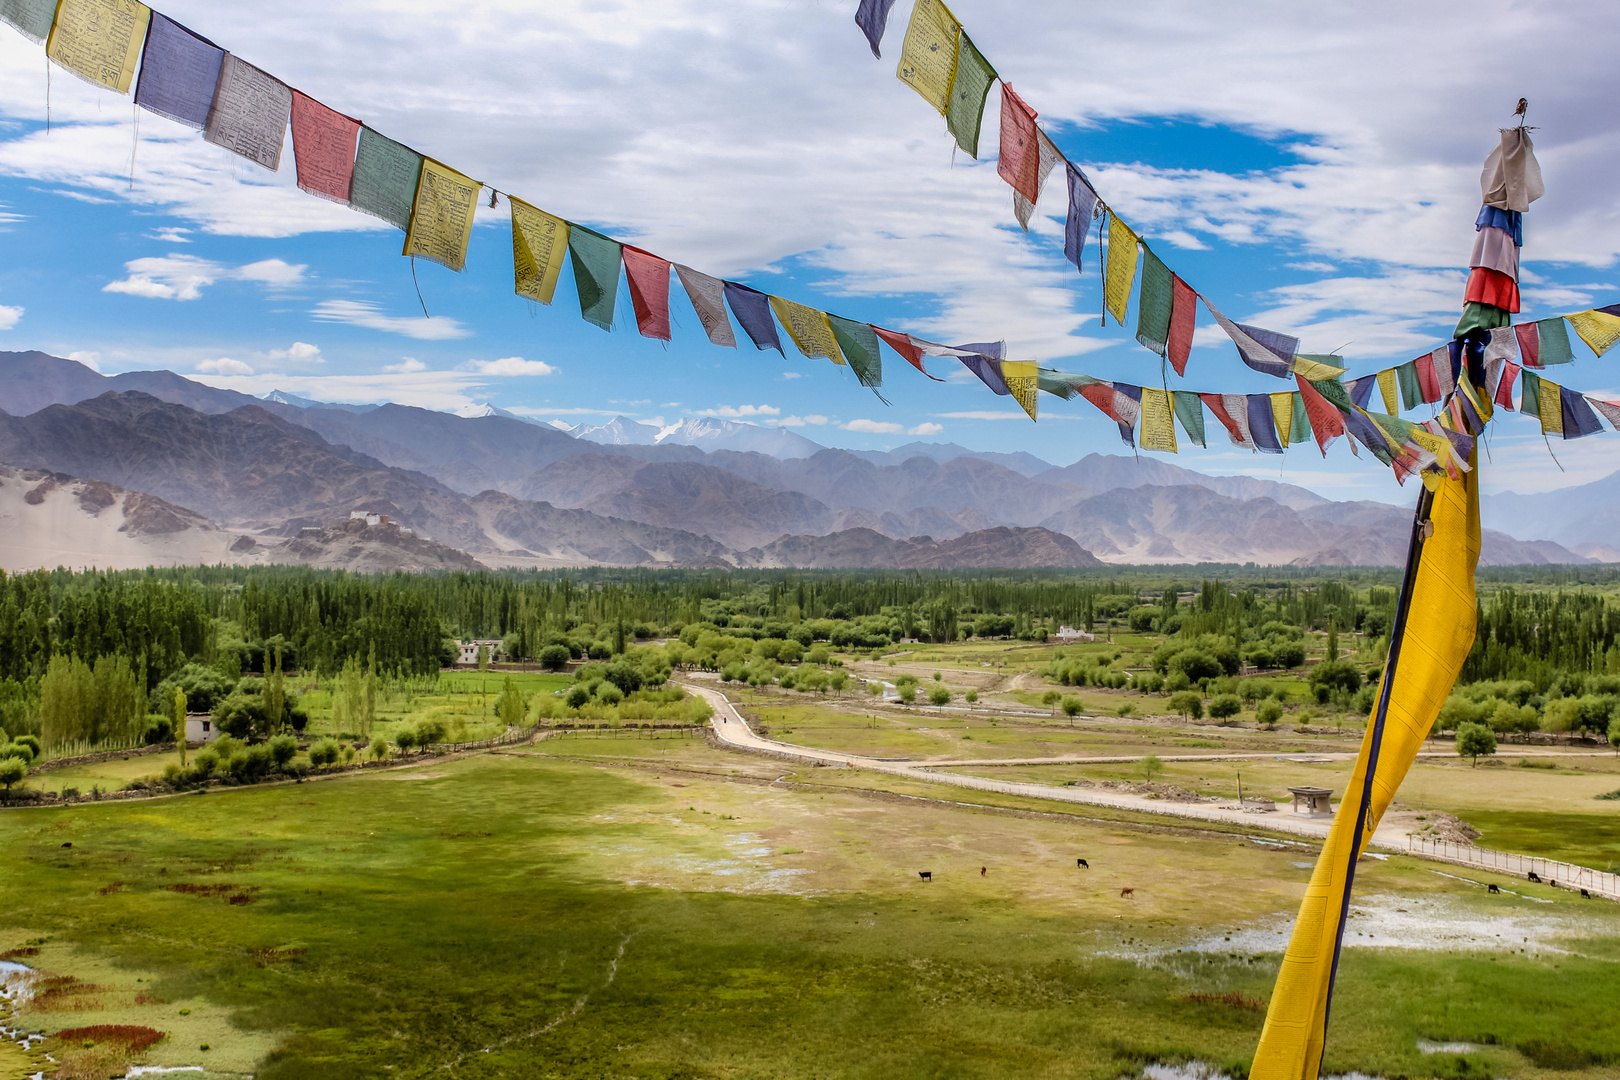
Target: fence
[1565, 875]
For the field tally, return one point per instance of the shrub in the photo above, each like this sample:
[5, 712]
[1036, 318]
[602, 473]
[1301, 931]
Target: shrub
[1187, 703]
[554, 657]
[939, 696]
[1072, 707]
[1225, 706]
[1335, 675]
[1176, 682]
[578, 695]
[379, 748]
[324, 753]
[282, 749]
[1474, 740]
[13, 770]
[971, 697]
[1268, 712]
[1126, 709]
[159, 729]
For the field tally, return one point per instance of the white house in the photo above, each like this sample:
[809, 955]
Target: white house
[1068, 634]
[469, 649]
[200, 728]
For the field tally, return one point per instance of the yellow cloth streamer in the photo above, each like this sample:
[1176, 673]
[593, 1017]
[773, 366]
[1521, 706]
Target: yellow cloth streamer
[100, 40]
[1121, 271]
[1158, 420]
[1389, 388]
[1551, 402]
[539, 248]
[1020, 377]
[928, 57]
[808, 328]
[442, 215]
[1598, 329]
[1439, 632]
[1282, 411]
[1315, 370]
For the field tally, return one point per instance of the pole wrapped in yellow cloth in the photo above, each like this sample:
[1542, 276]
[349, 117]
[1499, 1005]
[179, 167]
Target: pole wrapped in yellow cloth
[1434, 631]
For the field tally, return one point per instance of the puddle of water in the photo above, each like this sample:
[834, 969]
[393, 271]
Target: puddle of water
[1199, 1070]
[1426, 1047]
[151, 1070]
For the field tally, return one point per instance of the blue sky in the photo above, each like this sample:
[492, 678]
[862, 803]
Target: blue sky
[1310, 170]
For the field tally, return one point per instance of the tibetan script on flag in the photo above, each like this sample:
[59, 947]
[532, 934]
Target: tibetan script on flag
[442, 219]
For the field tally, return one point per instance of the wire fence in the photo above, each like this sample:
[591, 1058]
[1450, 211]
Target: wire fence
[1551, 871]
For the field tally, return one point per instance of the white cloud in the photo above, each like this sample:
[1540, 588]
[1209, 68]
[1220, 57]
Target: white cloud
[365, 314]
[737, 412]
[406, 365]
[91, 360]
[438, 390]
[224, 366]
[510, 365]
[9, 316]
[183, 277]
[299, 352]
[273, 272]
[874, 427]
[792, 375]
[800, 421]
[926, 429]
[983, 415]
[170, 235]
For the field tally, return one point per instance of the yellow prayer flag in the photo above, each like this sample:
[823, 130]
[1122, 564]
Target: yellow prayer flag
[1551, 400]
[1438, 635]
[1388, 388]
[1121, 272]
[442, 215]
[1158, 420]
[1314, 370]
[1020, 377]
[928, 57]
[1282, 411]
[808, 328]
[539, 246]
[1597, 328]
[100, 40]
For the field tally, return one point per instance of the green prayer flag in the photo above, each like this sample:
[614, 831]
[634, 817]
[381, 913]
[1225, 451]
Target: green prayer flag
[1334, 392]
[1411, 391]
[1478, 316]
[32, 17]
[1190, 411]
[385, 177]
[859, 343]
[1530, 393]
[1153, 305]
[1554, 336]
[1299, 428]
[966, 110]
[596, 260]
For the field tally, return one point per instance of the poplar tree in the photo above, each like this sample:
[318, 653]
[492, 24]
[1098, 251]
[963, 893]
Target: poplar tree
[180, 723]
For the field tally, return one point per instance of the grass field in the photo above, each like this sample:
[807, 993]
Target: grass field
[654, 908]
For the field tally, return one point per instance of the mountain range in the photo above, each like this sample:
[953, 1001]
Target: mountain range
[503, 489]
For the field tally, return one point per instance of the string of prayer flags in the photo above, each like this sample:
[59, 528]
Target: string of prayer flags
[1020, 161]
[1158, 420]
[100, 41]
[708, 296]
[928, 55]
[250, 113]
[908, 350]
[859, 344]
[323, 147]
[539, 240]
[1121, 272]
[179, 71]
[32, 18]
[1048, 157]
[442, 217]
[753, 311]
[809, 330]
[1263, 350]
[1190, 411]
[649, 291]
[873, 18]
[968, 92]
[385, 178]
[1082, 209]
[1599, 328]
[1154, 302]
[1021, 377]
[595, 259]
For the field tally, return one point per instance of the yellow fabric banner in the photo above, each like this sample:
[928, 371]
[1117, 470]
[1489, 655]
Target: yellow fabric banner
[928, 57]
[808, 328]
[1282, 411]
[1158, 420]
[1598, 329]
[1314, 370]
[1551, 402]
[1020, 377]
[539, 247]
[100, 40]
[1439, 632]
[1388, 388]
[442, 215]
[1121, 271]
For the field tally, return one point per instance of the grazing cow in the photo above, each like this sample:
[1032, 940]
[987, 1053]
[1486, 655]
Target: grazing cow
[1128, 892]
[1553, 883]
[1532, 876]
[1586, 894]
[68, 844]
[1492, 888]
[926, 875]
[983, 870]
[1082, 864]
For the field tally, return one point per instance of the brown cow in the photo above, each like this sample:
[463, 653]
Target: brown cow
[983, 870]
[1128, 891]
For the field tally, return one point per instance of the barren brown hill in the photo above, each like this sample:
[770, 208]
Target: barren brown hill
[1003, 547]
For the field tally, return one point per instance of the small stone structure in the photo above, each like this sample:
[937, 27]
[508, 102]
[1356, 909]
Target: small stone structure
[1312, 801]
[200, 729]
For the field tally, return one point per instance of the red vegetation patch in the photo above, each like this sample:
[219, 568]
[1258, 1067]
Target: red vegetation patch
[143, 998]
[1234, 999]
[64, 993]
[19, 954]
[111, 887]
[131, 1038]
[266, 957]
[233, 894]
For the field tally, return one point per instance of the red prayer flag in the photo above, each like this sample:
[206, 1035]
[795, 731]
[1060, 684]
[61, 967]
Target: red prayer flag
[1183, 316]
[1020, 163]
[1504, 388]
[1487, 286]
[1529, 335]
[323, 147]
[1327, 423]
[1217, 405]
[902, 344]
[649, 291]
[1428, 381]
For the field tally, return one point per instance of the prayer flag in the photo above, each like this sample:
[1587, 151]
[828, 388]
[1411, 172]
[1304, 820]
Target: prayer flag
[1082, 208]
[1262, 350]
[442, 217]
[1487, 286]
[1528, 338]
[1552, 337]
[1158, 420]
[753, 311]
[983, 359]
[1511, 178]
[649, 291]
[386, 174]
[1504, 345]
[1609, 409]
[809, 330]
[1299, 427]
[1232, 410]
[99, 40]
[1504, 387]
[1021, 379]
[1154, 304]
[873, 18]
[1444, 378]
[1183, 321]
[1495, 248]
[1360, 390]
[250, 113]
[596, 260]
[1061, 383]
[1598, 329]
[1578, 416]
[902, 344]
[539, 240]
[1387, 390]
[1119, 402]
[1121, 273]
[1549, 404]
[1049, 156]
[32, 18]
[1327, 422]
[1282, 415]
[179, 71]
[1509, 221]
[1426, 379]
[1411, 388]
[859, 344]
[1263, 424]
[928, 56]
[708, 296]
[1530, 393]
[323, 147]
[1020, 160]
[1478, 316]
[1316, 366]
[971, 86]
[1190, 411]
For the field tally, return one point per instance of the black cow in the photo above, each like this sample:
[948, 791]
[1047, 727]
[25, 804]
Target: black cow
[1492, 888]
[1082, 864]
[983, 870]
[926, 875]
[1586, 894]
[1533, 877]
